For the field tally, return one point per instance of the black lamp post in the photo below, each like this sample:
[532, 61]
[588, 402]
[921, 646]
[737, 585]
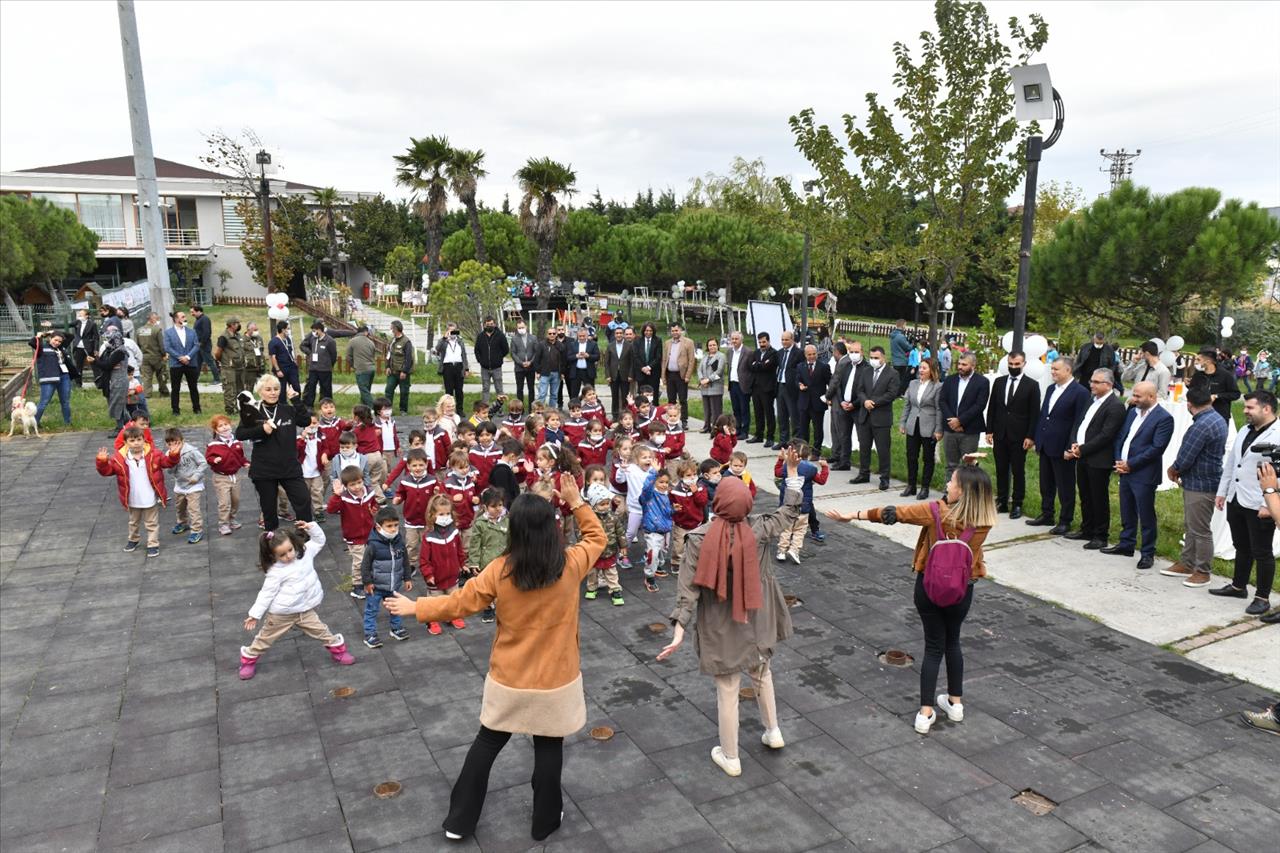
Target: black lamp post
[264, 160]
[1030, 83]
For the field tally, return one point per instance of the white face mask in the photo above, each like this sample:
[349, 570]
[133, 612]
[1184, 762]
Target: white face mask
[855, 357]
[875, 363]
[1097, 346]
[1199, 366]
[225, 435]
[444, 520]
[690, 481]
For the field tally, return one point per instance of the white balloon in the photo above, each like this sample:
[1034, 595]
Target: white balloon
[1006, 343]
[277, 300]
[1226, 331]
[1035, 346]
[1168, 359]
[280, 313]
[1160, 345]
[1035, 369]
[1175, 343]
[1228, 322]
[1003, 367]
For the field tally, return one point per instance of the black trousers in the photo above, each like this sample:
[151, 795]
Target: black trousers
[810, 426]
[788, 412]
[678, 392]
[322, 379]
[740, 402]
[880, 436]
[1095, 501]
[295, 489]
[904, 378]
[618, 389]
[917, 444]
[77, 358]
[1011, 460]
[451, 375]
[941, 638]
[191, 372]
[766, 420]
[527, 378]
[467, 799]
[1251, 537]
[1057, 477]
[841, 437]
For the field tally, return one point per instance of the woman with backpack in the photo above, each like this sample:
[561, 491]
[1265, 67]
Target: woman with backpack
[948, 560]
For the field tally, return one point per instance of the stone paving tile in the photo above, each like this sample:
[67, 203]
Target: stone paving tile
[374, 823]
[264, 817]
[991, 818]
[161, 756]
[163, 807]
[1025, 763]
[273, 762]
[1231, 816]
[27, 806]
[1146, 774]
[929, 771]
[331, 841]
[265, 717]
[1253, 767]
[1117, 821]
[59, 752]
[202, 839]
[770, 819]
[81, 838]
[653, 817]
[689, 768]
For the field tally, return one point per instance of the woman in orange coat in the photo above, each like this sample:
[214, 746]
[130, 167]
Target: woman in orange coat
[534, 685]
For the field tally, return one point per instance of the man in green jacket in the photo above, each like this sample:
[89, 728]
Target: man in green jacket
[399, 366]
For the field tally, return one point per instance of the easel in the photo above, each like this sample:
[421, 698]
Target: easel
[550, 314]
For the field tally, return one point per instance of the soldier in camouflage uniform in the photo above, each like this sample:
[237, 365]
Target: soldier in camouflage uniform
[255, 355]
[230, 356]
[155, 363]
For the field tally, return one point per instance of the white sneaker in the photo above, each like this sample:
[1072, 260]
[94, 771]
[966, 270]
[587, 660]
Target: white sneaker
[731, 766]
[795, 555]
[955, 713]
[923, 723]
[781, 556]
[452, 836]
[772, 738]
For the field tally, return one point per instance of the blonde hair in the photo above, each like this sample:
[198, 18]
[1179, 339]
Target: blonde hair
[976, 507]
[263, 381]
[446, 401]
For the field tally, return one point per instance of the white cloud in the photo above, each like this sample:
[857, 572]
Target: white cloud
[632, 94]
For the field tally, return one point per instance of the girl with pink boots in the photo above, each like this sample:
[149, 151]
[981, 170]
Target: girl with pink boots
[290, 594]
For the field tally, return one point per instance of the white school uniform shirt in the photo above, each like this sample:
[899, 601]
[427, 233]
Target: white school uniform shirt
[388, 430]
[142, 495]
[311, 458]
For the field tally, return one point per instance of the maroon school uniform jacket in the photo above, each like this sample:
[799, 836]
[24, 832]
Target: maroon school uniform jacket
[356, 515]
[414, 495]
[483, 459]
[442, 556]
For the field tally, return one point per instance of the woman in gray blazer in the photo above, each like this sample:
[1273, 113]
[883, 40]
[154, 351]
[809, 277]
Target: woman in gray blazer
[922, 425]
[711, 381]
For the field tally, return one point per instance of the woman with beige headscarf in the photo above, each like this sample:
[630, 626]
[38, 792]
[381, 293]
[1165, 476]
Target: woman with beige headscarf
[727, 580]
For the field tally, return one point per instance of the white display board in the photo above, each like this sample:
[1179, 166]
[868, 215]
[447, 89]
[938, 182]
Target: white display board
[770, 317]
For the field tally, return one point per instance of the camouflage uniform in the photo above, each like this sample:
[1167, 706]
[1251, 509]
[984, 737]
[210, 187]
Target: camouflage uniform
[231, 358]
[155, 364]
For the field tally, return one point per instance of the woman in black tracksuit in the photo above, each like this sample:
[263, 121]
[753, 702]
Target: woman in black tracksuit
[273, 427]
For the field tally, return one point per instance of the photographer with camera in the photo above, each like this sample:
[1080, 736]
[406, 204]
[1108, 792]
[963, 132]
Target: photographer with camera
[1240, 494]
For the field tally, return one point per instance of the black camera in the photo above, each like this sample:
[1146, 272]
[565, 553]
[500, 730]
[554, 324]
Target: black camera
[1268, 452]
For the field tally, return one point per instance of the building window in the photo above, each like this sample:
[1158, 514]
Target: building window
[103, 214]
[232, 224]
[66, 201]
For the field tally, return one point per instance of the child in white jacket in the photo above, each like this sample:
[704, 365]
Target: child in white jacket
[290, 594]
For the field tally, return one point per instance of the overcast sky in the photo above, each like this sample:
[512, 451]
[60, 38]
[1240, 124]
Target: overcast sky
[632, 95]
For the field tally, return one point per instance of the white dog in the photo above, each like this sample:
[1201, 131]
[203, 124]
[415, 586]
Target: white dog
[23, 412]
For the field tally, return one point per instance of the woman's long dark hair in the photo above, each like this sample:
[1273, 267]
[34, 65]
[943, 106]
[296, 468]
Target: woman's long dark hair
[535, 547]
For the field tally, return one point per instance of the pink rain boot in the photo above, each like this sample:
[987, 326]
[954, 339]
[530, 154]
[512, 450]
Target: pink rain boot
[247, 665]
[340, 653]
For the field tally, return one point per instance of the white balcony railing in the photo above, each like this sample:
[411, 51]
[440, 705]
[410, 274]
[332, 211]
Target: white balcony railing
[181, 237]
[108, 235]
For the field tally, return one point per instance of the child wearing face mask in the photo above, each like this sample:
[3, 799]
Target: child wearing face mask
[601, 501]
[385, 569]
[225, 456]
[489, 537]
[443, 554]
[310, 451]
[688, 505]
[388, 438]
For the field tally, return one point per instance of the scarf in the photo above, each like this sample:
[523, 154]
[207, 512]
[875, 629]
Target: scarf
[729, 563]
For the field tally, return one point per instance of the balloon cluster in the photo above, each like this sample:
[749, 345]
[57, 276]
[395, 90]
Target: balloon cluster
[1168, 350]
[278, 306]
[1036, 347]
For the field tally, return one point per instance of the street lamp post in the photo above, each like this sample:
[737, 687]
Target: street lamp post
[1030, 83]
[264, 160]
[804, 272]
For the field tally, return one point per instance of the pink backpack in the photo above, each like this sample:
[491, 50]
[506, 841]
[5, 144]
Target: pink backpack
[949, 566]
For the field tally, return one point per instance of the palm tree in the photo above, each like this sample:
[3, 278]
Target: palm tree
[422, 168]
[542, 179]
[464, 171]
[327, 199]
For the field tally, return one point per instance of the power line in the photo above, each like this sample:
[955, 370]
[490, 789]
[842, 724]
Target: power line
[1121, 168]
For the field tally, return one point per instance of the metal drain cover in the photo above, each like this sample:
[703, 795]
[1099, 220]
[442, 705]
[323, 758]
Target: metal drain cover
[1035, 802]
[895, 657]
[387, 790]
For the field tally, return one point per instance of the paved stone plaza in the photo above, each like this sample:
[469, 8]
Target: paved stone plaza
[123, 724]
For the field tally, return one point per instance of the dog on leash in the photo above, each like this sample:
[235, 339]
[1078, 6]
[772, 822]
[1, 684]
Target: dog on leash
[23, 412]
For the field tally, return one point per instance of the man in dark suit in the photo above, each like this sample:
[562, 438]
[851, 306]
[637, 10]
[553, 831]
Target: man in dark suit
[582, 356]
[812, 379]
[84, 344]
[204, 333]
[1093, 448]
[738, 378]
[1063, 406]
[1097, 355]
[617, 369]
[1011, 428]
[646, 359]
[1139, 451]
[874, 418]
[764, 389]
[842, 391]
[963, 405]
[789, 358]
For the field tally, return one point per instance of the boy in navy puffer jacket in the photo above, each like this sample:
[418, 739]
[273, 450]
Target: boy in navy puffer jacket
[384, 571]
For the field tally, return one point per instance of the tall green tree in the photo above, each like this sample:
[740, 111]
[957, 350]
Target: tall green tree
[543, 182]
[41, 243]
[374, 227]
[422, 169]
[943, 150]
[464, 173]
[468, 294]
[508, 247]
[1137, 259]
[401, 266]
[284, 249]
[734, 252]
[637, 254]
[305, 247]
[578, 249]
[330, 217]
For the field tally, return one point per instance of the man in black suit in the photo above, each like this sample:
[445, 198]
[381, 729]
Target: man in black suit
[582, 356]
[84, 344]
[789, 358]
[962, 404]
[764, 389]
[1064, 404]
[1094, 451]
[1096, 355]
[646, 359]
[842, 391]
[738, 379]
[812, 379]
[1011, 424]
[874, 418]
[617, 369]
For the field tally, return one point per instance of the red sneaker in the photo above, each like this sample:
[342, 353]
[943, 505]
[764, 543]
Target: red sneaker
[434, 628]
[458, 623]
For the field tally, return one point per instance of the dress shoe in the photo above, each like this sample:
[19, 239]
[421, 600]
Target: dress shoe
[1040, 521]
[1146, 562]
[923, 495]
[1016, 512]
[1258, 606]
[884, 484]
[1095, 544]
[1230, 591]
[769, 445]
[1078, 536]
[860, 479]
[1272, 618]
[1002, 506]
[1118, 550]
[1060, 530]
[907, 492]
[754, 440]
[841, 467]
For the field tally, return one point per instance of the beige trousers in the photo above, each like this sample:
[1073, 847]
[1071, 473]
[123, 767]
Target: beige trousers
[227, 491]
[793, 539]
[610, 576]
[315, 485]
[357, 556]
[276, 625]
[148, 518]
[412, 543]
[678, 535]
[190, 511]
[727, 704]
[377, 471]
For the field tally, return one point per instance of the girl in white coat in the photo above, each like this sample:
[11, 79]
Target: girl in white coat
[290, 594]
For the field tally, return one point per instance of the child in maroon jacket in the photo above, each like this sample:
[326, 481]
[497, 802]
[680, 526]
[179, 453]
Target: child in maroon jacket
[356, 507]
[592, 409]
[443, 552]
[485, 454]
[689, 507]
[225, 456]
[594, 448]
[369, 444]
[437, 438]
[138, 469]
[417, 440]
[416, 489]
[460, 487]
[330, 427]
[143, 422]
[575, 428]
[655, 435]
[513, 423]
[725, 440]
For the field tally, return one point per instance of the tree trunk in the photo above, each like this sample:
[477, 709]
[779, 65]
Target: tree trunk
[435, 237]
[545, 250]
[477, 233]
[1166, 321]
